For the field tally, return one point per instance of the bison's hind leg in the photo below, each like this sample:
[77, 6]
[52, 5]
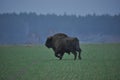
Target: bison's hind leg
[75, 55]
[79, 56]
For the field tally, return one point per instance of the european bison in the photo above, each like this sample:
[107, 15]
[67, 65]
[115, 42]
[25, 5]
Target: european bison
[61, 43]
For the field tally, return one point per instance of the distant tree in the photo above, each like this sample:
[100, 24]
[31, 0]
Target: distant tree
[32, 28]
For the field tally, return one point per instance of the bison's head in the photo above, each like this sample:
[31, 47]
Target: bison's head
[48, 42]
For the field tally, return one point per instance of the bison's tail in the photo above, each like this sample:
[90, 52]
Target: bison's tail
[76, 44]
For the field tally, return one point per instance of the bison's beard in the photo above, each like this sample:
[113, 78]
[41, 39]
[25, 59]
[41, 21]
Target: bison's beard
[47, 45]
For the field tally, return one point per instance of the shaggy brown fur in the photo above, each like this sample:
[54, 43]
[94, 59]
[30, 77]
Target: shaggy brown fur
[61, 44]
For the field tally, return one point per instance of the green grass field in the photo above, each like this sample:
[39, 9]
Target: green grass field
[99, 62]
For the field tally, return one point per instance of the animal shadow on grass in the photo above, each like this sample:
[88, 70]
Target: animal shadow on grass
[62, 59]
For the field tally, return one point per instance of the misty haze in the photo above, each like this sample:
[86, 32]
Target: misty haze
[31, 28]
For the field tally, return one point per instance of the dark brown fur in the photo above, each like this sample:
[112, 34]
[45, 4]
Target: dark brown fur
[61, 44]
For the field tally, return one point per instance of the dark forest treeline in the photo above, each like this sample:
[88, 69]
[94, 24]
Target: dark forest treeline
[32, 28]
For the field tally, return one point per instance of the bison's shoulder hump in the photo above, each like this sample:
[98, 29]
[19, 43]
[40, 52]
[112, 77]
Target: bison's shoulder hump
[60, 34]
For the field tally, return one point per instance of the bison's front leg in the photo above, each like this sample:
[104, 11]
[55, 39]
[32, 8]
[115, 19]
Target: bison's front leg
[56, 54]
[61, 56]
[79, 56]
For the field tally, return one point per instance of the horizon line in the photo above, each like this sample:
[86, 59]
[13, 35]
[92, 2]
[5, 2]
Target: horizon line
[65, 13]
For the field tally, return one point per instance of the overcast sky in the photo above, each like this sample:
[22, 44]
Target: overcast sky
[78, 7]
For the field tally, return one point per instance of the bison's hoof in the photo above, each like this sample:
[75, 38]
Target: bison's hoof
[60, 58]
[80, 58]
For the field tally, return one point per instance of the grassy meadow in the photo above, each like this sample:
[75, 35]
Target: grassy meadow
[99, 62]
